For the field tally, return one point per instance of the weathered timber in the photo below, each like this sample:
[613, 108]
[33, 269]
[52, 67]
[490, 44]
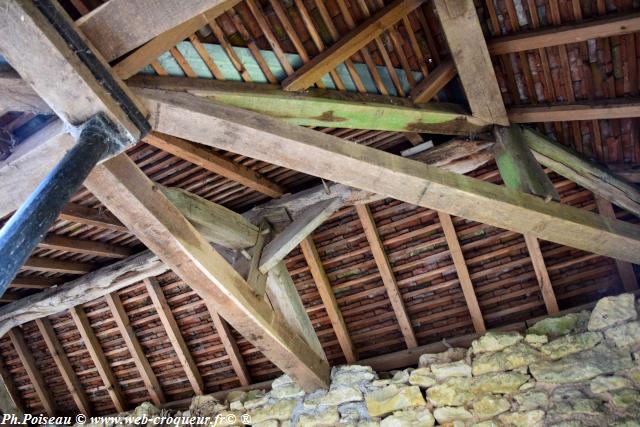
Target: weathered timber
[35, 376]
[326, 108]
[17, 95]
[328, 298]
[230, 346]
[299, 229]
[94, 217]
[463, 272]
[589, 175]
[386, 273]
[518, 167]
[64, 366]
[215, 222]
[469, 51]
[82, 246]
[429, 87]
[132, 197]
[349, 44]
[256, 278]
[82, 290]
[615, 25]
[580, 110]
[373, 170]
[118, 27]
[78, 94]
[165, 41]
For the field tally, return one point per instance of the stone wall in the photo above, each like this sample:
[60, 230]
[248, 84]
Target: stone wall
[581, 369]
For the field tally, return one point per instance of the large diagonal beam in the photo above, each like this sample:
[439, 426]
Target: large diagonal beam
[113, 31]
[363, 167]
[134, 199]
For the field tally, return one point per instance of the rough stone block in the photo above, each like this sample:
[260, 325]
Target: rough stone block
[612, 311]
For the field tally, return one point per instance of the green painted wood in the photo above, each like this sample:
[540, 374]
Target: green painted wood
[325, 108]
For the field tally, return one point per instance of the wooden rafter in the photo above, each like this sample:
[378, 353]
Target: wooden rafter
[175, 336]
[64, 366]
[463, 272]
[580, 110]
[81, 246]
[132, 197]
[89, 216]
[542, 274]
[230, 346]
[349, 44]
[215, 163]
[429, 87]
[94, 348]
[386, 273]
[328, 298]
[373, 170]
[610, 26]
[10, 401]
[50, 265]
[135, 349]
[26, 357]
[625, 269]
[469, 51]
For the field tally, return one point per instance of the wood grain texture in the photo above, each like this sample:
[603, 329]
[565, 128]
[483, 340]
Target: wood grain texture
[429, 87]
[328, 298]
[542, 274]
[35, 376]
[135, 349]
[375, 171]
[230, 346]
[349, 44]
[64, 366]
[463, 272]
[469, 51]
[120, 26]
[129, 193]
[580, 110]
[386, 273]
[175, 336]
[94, 348]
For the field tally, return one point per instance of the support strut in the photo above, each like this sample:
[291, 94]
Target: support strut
[28, 225]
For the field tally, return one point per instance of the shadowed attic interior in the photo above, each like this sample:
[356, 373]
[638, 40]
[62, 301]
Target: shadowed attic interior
[158, 340]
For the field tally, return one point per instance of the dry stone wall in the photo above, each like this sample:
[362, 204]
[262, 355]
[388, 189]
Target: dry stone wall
[581, 369]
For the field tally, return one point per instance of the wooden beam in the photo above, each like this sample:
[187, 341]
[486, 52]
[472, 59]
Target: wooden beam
[587, 174]
[38, 154]
[77, 94]
[22, 282]
[255, 278]
[94, 217]
[10, 401]
[213, 162]
[130, 194]
[175, 336]
[29, 363]
[64, 366]
[463, 272]
[429, 87]
[113, 32]
[297, 231]
[610, 26]
[81, 246]
[81, 290]
[542, 274]
[518, 167]
[92, 345]
[19, 96]
[50, 265]
[135, 349]
[458, 155]
[328, 108]
[386, 273]
[328, 298]
[230, 346]
[625, 269]
[602, 109]
[520, 171]
[215, 222]
[349, 44]
[286, 302]
[335, 159]
[168, 39]
[469, 51]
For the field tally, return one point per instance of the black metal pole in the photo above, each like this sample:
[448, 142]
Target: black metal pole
[28, 225]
